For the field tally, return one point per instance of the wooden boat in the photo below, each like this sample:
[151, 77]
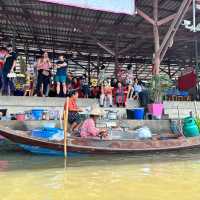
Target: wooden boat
[20, 134]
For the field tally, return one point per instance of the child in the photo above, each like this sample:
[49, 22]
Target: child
[120, 95]
[137, 89]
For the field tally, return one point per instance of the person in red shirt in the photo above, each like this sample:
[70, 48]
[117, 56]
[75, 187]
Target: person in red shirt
[3, 54]
[73, 116]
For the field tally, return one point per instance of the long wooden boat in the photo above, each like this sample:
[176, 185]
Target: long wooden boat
[77, 145]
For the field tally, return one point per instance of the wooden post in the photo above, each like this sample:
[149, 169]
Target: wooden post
[116, 54]
[169, 70]
[156, 38]
[65, 126]
[89, 69]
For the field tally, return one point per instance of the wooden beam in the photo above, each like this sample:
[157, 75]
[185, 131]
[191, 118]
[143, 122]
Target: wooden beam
[145, 16]
[99, 43]
[174, 27]
[130, 46]
[166, 20]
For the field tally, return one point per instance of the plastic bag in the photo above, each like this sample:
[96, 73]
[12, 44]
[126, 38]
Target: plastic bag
[59, 136]
[144, 133]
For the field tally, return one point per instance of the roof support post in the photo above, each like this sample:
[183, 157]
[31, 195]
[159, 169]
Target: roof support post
[168, 39]
[160, 50]
[89, 69]
[98, 64]
[116, 54]
[169, 69]
[156, 70]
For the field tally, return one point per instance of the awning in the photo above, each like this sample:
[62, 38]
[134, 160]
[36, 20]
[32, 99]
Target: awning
[115, 6]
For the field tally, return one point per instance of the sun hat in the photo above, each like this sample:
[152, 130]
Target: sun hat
[96, 111]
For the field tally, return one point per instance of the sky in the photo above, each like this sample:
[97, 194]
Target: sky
[117, 6]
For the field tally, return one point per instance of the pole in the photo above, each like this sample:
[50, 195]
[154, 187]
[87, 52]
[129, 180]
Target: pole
[156, 38]
[194, 15]
[65, 126]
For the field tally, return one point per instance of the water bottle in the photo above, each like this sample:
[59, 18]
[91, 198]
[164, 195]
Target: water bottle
[110, 132]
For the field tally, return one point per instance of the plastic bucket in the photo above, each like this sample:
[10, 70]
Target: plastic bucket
[20, 117]
[189, 120]
[156, 109]
[138, 113]
[37, 114]
[130, 113]
[190, 127]
[191, 131]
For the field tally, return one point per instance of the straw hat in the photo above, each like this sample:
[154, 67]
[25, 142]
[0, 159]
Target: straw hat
[96, 111]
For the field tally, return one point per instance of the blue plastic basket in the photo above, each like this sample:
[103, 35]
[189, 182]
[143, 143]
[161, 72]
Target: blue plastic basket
[45, 132]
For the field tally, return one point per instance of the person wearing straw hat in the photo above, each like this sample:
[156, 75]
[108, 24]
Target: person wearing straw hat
[89, 129]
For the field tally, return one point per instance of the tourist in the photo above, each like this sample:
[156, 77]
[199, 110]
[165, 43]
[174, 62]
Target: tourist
[129, 80]
[3, 53]
[143, 95]
[8, 69]
[95, 92]
[102, 75]
[44, 74]
[85, 88]
[137, 88]
[75, 84]
[69, 81]
[89, 129]
[120, 95]
[114, 83]
[61, 75]
[74, 117]
[106, 94]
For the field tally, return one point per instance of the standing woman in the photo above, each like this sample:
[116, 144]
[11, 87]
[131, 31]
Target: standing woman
[43, 79]
[129, 81]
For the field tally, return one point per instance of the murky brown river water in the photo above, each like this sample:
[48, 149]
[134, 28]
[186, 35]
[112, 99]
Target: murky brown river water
[146, 177]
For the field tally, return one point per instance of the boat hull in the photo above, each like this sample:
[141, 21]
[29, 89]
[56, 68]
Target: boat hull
[94, 146]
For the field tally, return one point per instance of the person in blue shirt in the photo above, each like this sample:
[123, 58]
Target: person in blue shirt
[61, 75]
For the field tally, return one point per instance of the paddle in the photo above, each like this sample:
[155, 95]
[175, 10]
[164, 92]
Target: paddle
[195, 106]
[180, 123]
[65, 126]
[197, 119]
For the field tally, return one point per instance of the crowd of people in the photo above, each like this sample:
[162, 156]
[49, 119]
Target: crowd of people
[109, 91]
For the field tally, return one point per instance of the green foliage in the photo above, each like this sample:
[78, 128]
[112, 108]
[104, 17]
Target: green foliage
[157, 86]
[22, 64]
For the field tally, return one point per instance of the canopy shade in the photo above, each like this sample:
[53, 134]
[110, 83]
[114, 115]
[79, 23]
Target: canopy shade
[115, 6]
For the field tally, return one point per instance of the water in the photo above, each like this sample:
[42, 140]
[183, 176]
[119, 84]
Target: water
[167, 176]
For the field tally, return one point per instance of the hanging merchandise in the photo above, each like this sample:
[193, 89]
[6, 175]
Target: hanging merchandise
[187, 81]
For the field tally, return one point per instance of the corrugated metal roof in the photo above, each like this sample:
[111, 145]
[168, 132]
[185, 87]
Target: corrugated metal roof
[50, 26]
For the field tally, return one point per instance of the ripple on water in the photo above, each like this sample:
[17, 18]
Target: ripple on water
[145, 177]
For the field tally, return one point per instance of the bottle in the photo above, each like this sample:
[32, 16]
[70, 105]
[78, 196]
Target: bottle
[43, 116]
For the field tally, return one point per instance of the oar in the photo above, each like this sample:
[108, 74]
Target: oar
[65, 126]
[179, 123]
[195, 107]
[60, 120]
